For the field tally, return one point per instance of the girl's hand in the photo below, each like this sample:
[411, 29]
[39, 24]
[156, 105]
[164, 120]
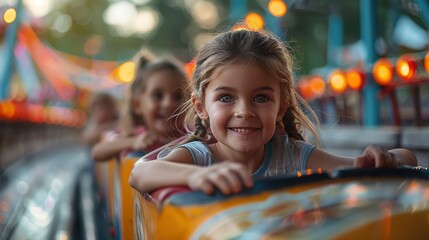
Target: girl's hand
[228, 177]
[374, 156]
[144, 140]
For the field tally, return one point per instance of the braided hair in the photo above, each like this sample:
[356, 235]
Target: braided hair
[268, 52]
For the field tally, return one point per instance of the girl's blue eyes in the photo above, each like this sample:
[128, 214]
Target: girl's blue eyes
[257, 99]
[261, 99]
[226, 98]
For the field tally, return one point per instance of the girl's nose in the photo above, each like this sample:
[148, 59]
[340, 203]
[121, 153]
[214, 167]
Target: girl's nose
[244, 112]
[169, 102]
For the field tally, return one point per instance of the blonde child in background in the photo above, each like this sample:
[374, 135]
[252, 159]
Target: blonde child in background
[155, 94]
[103, 116]
[243, 93]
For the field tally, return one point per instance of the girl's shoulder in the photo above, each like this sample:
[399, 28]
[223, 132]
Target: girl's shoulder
[200, 152]
[196, 148]
[195, 144]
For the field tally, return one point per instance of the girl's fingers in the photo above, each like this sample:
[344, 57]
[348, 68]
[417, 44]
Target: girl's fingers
[207, 187]
[378, 159]
[390, 160]
[227, 177]
[381, 157]
[202, 185]
[219, 180]
[244, 175]
[374, 156]
[363, 161]
[233, 179]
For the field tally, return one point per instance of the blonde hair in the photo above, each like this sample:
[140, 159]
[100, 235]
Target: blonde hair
[268, 52]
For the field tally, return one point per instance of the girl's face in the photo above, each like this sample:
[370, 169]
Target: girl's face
[103, 111]
[242, 105]
[105, 114]
[161, 98]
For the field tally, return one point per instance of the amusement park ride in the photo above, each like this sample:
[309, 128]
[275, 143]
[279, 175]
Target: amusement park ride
[316, 204]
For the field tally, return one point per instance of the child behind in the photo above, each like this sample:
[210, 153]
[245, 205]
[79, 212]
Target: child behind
[155, 94]
[103, 116]
[243, 93]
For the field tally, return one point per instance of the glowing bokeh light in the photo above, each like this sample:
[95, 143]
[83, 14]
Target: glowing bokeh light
[355, 79]
[120, 13]
[426, 62]
[121, 17]
[406, 67]
[39, 8]
[277, 8]
[206, 14]
[190, 67]
[254, 21]
[239, 27]
[383, 71]
[125, 72]
[92, 45]
[140, 2]
[62, 23]
[317, 86]
[7, 109]
[146, 21]
[337, 81]
[9, 15]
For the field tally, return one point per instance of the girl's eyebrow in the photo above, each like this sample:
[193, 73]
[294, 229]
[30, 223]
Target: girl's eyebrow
[223, 89]
[267, 88]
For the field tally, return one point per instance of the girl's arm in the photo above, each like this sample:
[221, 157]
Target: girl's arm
[106, 150]
[92, 133]
[373, 156]
[173, 170]
[177, 169]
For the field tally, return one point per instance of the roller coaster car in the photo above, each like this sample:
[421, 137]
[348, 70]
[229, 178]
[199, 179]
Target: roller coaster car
[389, 203]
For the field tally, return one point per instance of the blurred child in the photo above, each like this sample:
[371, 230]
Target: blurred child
[102, 117]
[243, 92]
[157, 91]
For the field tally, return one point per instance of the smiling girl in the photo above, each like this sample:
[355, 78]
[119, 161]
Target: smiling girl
[243, 93]
[158, 90]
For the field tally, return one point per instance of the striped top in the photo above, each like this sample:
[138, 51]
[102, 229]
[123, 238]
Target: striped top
[281, 156]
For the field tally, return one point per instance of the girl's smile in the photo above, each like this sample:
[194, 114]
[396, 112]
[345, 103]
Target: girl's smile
[245, 131]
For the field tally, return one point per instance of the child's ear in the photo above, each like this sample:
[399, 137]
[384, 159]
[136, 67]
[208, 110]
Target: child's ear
[199, 108]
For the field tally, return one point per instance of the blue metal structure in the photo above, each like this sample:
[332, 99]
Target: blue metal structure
[424, 10]
[369, 35]
[274, 25]
[7, 57]
[335, 35]
[238, 10]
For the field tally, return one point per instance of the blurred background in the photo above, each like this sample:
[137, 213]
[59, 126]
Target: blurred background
[362, 65]
[56, 54]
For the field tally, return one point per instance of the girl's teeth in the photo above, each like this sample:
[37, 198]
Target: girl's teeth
[243, 130]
